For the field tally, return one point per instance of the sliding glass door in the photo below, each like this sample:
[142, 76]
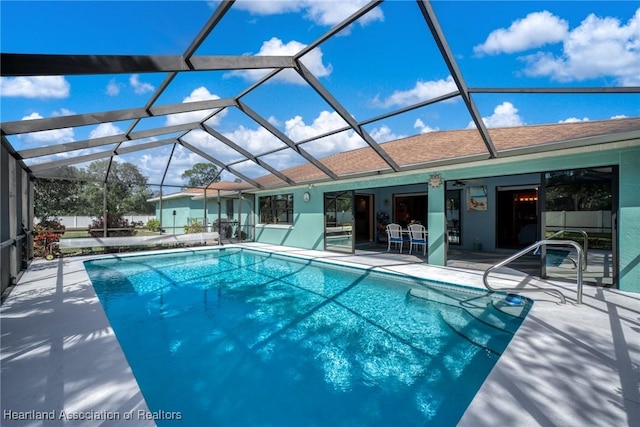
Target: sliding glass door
[581, 204]
[338, 221]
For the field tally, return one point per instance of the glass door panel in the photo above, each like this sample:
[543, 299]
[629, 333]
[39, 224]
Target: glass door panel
[452, 206]
[338, 221]
[577, 201]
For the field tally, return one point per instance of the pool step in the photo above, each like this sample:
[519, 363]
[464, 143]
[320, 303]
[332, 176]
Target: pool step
[481, 319]
[486, 308]
[480, 334]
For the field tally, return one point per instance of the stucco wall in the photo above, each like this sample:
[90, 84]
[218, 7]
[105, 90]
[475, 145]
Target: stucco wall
[189, 208]
[308, 227]
[629, 221]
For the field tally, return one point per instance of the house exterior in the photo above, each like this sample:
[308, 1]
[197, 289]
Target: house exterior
[466, 199]
[220, 203]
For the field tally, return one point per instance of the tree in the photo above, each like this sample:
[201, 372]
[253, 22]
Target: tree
[201, 174]
[56, 197]
[127, 189]
[578, 190]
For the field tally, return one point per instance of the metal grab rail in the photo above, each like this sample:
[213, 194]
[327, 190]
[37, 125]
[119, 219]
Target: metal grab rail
[531, 248]
[585, 245]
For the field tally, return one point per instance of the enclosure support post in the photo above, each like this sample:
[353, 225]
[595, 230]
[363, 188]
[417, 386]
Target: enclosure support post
[161, 210]
[219, 219]
[204, 219]
[239, 229]
[104, 209]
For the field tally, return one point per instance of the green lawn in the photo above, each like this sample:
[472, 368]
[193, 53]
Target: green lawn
[595, 240]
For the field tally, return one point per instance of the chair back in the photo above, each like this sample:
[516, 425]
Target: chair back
[394, 231]
[417, 232]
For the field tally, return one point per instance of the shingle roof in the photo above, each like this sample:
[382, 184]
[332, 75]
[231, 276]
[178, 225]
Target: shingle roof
[442, 145]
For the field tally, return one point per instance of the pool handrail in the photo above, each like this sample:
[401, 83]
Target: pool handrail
[526, 251]
[585, 240]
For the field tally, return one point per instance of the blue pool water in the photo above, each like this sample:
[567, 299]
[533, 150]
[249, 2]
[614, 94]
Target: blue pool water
[244, 338]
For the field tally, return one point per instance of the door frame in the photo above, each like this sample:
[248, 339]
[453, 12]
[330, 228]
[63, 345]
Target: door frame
[369, 214]
[339, 230]
[538, 210]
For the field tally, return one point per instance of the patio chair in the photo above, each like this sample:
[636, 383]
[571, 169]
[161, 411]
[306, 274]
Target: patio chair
[418, 237]
[394, 236]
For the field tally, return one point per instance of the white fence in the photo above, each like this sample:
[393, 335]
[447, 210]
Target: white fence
[589, 221]
[71, 222]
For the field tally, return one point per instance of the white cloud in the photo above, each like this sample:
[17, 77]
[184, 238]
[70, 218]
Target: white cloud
[535, 30]
[211, 145]
[152, 166]
[274, 121]
[47, 137]
[280, 160]
[104, 129]
[384, 134]
[62, 112]
[268, 7]
[113, 88]
[504, 115]
[35, 87]
[138, 86]
[259, 140]
[328, 13]
[320, 12]
[419, 124]
[574, 120]
[586, 119]
[182, 160]
[422, 91]
[256, 141]
[599, 47]
[298, 130]
[199, 94]
[275, 47]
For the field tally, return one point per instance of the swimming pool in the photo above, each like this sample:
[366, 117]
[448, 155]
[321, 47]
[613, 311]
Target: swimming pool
[238, 337]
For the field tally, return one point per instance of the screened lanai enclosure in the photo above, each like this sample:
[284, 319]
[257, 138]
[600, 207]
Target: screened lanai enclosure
[231, 99]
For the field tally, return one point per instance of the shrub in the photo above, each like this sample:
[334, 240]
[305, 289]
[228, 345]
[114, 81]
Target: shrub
[96, 229]
[46, 232]
[153, 225]
[193, 226]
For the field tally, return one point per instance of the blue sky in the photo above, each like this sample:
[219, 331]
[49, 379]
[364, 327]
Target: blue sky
[384, 62]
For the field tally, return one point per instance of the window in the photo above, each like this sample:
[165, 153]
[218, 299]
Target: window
[410, 208]
[277, 209]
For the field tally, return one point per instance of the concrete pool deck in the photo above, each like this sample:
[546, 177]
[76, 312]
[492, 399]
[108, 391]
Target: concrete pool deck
[568, 365]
